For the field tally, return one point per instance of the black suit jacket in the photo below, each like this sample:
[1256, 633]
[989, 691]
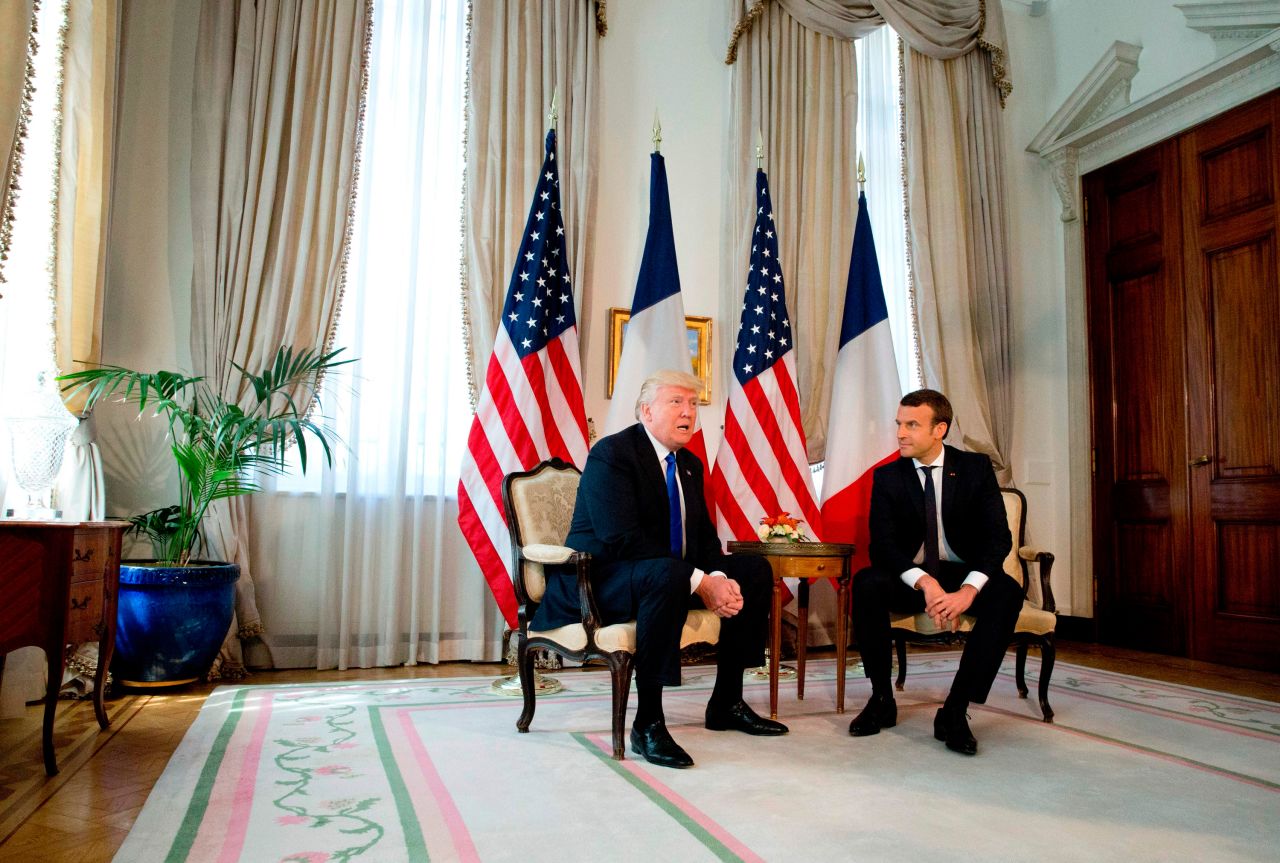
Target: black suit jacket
[621, 515]
[973, 515]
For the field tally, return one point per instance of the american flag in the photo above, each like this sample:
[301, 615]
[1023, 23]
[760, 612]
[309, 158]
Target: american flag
[530, 407]
[761, 466]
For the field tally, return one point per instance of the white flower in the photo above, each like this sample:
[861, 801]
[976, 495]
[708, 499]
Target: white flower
[763, 531]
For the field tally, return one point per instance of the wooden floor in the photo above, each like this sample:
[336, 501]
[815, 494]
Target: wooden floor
[84, 813]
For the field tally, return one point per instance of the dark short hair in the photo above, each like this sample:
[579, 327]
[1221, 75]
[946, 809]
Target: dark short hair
[936, 401]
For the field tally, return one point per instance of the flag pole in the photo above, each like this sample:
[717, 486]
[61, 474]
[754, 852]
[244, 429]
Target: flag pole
[759, 149]
[862, 174]
[657, 132]
[554, 114]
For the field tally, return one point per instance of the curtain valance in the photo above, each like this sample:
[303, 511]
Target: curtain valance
[942, 29]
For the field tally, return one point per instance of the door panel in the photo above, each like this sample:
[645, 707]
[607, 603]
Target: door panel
[1136, 322]
[1233, 383]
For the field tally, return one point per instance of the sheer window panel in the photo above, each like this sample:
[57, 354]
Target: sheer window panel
[879, 117]
[367, 565]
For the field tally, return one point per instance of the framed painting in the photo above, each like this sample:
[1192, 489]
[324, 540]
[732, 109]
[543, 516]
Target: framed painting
[697, 333]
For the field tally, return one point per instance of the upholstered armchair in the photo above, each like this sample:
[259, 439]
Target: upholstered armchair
[539, 507]
[1036, 623]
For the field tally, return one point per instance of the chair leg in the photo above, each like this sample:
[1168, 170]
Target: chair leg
[1020, 669]
[620, 670]
[1048, 654]
[524, 661]
[902, 663]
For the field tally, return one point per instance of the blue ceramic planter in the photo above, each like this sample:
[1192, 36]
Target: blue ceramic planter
[171, 620]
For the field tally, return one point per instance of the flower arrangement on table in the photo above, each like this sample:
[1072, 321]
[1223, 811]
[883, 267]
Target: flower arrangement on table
[781, 528]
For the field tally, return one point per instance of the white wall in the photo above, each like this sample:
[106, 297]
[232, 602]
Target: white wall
[1050, 56]
[147, 313]
[668, 55]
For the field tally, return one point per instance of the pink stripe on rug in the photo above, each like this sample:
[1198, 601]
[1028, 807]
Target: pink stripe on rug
[211, 837]
[238, 823]
[430, 777]
[694, 813]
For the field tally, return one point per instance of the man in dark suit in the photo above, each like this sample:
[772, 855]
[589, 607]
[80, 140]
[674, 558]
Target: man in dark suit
[939, 537]
[640, 513]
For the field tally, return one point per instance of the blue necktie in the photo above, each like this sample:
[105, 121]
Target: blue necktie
[673, 502]
[930, 523]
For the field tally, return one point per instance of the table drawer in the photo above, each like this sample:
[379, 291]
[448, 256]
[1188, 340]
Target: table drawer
[84, 611]
[90, 557]
[807, 567]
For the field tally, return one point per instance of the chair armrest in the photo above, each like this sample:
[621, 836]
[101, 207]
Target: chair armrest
[542, 553]
[1044, 561]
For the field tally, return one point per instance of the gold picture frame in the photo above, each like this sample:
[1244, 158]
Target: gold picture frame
[698, 331]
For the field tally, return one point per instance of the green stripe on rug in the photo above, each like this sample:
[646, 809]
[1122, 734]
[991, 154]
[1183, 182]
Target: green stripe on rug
[190, 826]
[415, 844]
[714, 845]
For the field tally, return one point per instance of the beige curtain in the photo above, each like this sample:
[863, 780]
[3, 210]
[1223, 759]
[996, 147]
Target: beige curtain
[17, 34]
[90, 63]
[797, 88]
[956, 203]
[959, 244]
[522, 53]
[276, 125]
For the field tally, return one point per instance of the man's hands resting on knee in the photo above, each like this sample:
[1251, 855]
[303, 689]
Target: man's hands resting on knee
[944, 608]
[720, 595]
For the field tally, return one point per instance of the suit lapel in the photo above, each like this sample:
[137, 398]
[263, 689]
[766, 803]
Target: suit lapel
[951, 467]
[915, 490]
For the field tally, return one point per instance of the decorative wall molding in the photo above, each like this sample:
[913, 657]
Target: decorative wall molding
[1232, 23]
[1095, 126]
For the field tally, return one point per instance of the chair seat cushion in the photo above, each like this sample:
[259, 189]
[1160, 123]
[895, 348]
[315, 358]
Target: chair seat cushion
[1032, 620]
[701, 627]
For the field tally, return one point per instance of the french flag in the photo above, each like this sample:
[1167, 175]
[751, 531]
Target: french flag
[861, 434]
[656, 337]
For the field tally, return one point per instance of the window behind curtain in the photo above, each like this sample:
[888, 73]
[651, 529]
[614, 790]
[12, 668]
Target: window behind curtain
[403, 412]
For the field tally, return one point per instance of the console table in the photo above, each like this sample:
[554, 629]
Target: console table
[58, 585]
[804, 560]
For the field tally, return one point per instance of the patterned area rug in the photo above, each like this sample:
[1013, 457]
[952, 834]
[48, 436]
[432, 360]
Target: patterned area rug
[1130, 770]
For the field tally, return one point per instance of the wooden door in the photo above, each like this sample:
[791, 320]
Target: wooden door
[1184, 319]
[1136, 333]
[1229, 175]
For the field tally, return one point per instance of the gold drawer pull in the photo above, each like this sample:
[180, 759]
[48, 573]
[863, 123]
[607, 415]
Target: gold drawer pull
[821, 567]
[80, 605]
[83, 557]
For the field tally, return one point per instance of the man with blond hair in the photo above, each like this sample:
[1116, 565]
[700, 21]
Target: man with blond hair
[655, 554]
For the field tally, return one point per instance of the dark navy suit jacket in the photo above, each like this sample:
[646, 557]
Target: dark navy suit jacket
[621, 516]
[973, 515]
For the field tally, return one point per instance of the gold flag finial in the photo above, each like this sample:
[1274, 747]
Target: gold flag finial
[759, 149]
[657, 133]
[554, 113]
[862, 171]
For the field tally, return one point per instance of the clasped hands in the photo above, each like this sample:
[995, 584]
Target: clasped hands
[721, 596]
[945, 608]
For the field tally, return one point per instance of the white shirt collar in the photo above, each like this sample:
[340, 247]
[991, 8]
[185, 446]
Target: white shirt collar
[659, 448]
[942, 454]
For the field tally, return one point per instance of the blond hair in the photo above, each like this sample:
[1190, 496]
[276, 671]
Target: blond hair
[665, 378]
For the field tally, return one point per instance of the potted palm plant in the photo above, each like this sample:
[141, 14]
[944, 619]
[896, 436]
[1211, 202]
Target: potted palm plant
[175, 610]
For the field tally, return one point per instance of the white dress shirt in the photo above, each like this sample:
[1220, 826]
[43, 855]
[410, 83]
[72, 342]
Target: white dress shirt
[661, 452]
[911, 576]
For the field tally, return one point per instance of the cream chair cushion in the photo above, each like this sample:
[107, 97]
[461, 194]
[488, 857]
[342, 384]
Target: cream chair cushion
[701, 626]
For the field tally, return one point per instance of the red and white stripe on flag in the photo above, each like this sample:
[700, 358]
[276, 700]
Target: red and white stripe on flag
[861, 432]
[762, 468]
[531, 406]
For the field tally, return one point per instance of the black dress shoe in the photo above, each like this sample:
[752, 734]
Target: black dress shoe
[952, 728]
[653, 743]
[740, 717]
[881, 712]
